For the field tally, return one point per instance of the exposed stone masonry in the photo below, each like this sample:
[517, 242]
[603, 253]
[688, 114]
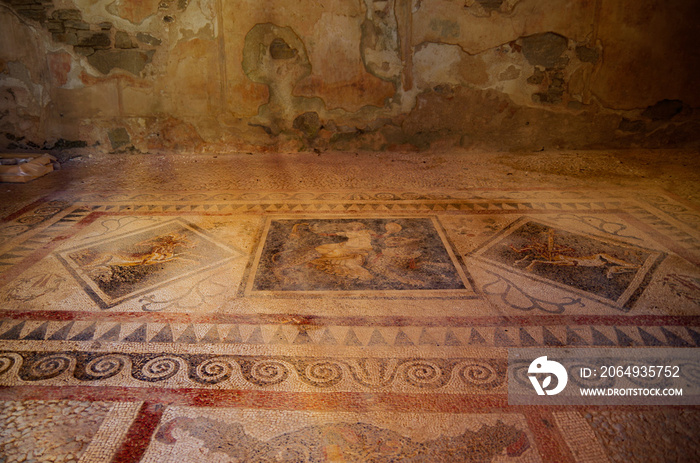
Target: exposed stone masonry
[105, 47]
[241, 76]
[31, 9]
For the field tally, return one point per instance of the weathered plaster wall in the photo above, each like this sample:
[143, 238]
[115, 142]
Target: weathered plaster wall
[215, 75]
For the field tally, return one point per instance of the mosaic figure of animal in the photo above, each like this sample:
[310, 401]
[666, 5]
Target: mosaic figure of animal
[550, 253]
[158, 250]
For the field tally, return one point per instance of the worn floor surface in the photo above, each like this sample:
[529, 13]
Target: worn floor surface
[338, 307]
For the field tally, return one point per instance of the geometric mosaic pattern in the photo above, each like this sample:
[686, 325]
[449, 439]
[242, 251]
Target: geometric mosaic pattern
[363, 325]
[207, 333]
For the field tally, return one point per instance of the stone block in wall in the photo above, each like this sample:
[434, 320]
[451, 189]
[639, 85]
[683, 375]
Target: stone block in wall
[587, 54]
[123, 40]
[96, 40]
[67, 14]
[544, 49]
[55, 26]
[70, 38]
[118, 137]
[148, 39]
[85, 51]
[77, 25]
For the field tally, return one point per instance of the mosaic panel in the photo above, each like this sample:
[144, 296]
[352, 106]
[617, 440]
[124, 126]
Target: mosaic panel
[605, 270]
[126, 266]
[236, 435]
[354, 255]
[355, 326]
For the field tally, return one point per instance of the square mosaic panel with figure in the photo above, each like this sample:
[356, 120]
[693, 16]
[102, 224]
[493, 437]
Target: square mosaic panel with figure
[358, 254]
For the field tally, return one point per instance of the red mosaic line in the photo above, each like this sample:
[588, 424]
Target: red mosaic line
[17, 269]
[390, 321]
[268, 400]
[24, 210]
[550, 443]
[139, 435]
[302, 401]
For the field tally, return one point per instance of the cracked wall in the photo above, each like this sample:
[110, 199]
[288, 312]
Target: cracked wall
[224, 76]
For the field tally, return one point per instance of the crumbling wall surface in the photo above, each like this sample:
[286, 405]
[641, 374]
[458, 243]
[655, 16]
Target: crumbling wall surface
[232, 75]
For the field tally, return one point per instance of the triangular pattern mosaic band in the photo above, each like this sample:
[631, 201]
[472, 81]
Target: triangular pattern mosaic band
[513, 336]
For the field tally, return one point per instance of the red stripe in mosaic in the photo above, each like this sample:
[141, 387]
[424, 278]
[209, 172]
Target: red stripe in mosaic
[41, 253]
[139, 434]
[313, 320]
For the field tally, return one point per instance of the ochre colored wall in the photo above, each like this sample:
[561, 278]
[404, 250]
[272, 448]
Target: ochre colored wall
[248, 75]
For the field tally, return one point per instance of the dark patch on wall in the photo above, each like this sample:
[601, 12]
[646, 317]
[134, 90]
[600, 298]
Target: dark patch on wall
[555, 89]
[627, 125]
[446, 28]
[63, 144]
[96, 40]
[279, 49]
[119, 137]
[587, 54]
[664, 110]
[537, 78]
[308, 123]
[14, 142]
[130, 60]
[545, 49]
[490, 5]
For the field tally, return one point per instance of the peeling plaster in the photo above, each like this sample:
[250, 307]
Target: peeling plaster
[346, 73]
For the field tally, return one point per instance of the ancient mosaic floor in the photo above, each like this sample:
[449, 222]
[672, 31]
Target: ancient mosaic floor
[337, 326]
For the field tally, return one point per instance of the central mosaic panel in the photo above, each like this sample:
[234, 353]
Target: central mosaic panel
[359, 254]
